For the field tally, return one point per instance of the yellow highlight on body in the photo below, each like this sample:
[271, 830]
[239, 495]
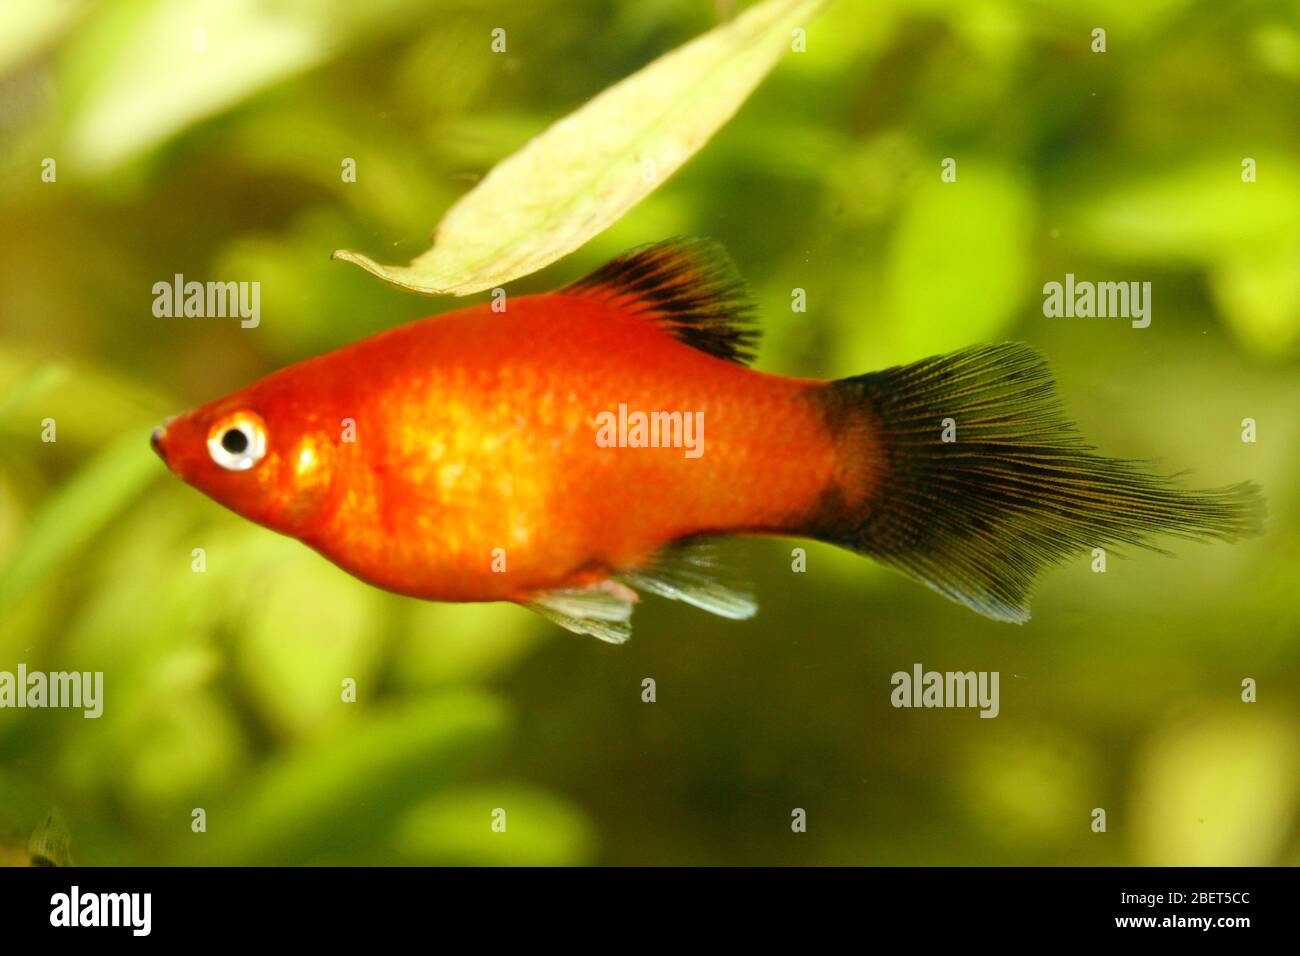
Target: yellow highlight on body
[308, 460]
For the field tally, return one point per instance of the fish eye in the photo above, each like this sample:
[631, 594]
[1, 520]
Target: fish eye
[238, 441]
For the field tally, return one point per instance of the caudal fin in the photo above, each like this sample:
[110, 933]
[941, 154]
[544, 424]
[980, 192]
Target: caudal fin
[962, 471]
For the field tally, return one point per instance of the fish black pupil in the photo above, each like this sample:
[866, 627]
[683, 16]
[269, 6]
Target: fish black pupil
[235, 441]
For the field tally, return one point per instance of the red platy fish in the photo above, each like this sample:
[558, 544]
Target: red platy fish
[584, 445]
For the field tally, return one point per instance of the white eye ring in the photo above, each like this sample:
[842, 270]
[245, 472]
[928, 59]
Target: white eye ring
[237, 442]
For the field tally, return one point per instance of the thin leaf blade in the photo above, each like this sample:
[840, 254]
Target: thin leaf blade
[582, 174]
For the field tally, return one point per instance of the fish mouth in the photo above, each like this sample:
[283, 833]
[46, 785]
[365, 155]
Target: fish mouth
[156, 441]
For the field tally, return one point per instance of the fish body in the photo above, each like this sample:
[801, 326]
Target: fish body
[477, 430]
[568, 450]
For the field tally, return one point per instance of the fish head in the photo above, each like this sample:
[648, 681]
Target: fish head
[258, 452]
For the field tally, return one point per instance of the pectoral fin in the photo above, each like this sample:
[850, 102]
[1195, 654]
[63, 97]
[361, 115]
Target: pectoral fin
[603, 610]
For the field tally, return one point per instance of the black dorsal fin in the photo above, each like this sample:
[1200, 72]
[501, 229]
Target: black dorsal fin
[688, 286]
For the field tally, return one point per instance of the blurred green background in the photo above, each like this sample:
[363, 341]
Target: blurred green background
[223, 688]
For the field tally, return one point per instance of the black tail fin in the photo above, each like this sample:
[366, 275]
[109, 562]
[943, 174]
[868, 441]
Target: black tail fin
[972, 480]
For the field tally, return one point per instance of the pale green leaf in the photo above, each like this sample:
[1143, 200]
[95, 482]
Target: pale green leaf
[1198, 212]
[1219, 791]
[87, 400]
[462, 643]
[584, 172]
[73, 515]
[141, 71]
[311, 627]
[41, 379]
[29, 26]
[1259, 293]
[345, 793]
[955, 272]
[145, 70]
[455, 828]
[958, 262]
